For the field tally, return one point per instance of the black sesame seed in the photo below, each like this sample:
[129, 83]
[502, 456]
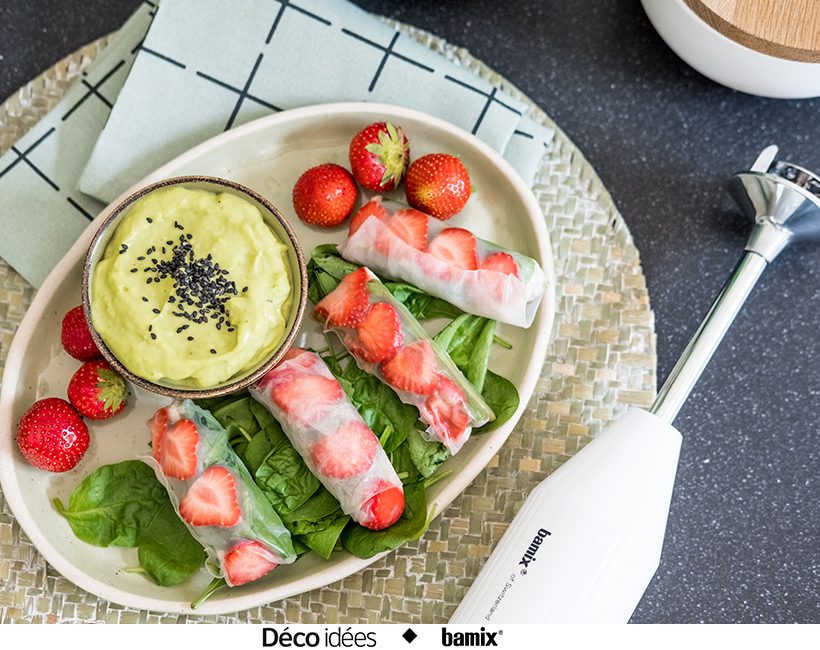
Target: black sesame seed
[197, 282]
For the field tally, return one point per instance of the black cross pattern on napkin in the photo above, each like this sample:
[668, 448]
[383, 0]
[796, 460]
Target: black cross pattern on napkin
[153, 15]
[388, 52]
[242, 92]
[490, 96]
[79, 208]
[23, 156]
[94, 89]
[161, 56]
[287, 4]
[529, 136]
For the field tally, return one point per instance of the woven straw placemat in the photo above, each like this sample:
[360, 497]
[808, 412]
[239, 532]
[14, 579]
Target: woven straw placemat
[601, 360]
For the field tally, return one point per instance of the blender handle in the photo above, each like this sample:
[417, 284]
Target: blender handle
[708, 336]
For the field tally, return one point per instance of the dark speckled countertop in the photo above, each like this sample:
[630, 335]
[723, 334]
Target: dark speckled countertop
[743, 542]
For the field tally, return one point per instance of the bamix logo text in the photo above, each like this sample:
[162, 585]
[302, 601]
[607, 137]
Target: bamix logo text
[480, 639]
[532, 549]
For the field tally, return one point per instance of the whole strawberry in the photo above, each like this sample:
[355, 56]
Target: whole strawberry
[75, 336]
[97, 391]
[438, 184]
[325, 195]
[379, 155]
[52, 436]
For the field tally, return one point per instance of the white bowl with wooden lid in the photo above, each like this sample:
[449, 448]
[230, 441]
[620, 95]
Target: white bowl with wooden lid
[762, 47]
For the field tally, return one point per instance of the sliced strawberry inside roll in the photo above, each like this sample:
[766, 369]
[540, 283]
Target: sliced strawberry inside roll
[446, 409]
[384, 508]
[379, 335]
[157, 426]
[178, 445]
[414, 368]
[347, 304]
[212, 500]
[411, 227]
[248, 560]
[372, 208]
[348, 452]
[500, 262]
[456, 246]
[306, 398]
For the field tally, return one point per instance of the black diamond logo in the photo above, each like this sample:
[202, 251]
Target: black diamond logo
[409, 635]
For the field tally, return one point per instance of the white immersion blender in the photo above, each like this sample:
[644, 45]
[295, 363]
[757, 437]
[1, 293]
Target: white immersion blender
[588, 539]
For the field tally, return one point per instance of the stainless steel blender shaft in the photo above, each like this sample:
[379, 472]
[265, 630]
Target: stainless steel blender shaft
[784, 201]
[708, 336]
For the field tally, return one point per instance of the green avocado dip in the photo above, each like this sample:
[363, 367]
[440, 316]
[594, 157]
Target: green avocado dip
[193, 289]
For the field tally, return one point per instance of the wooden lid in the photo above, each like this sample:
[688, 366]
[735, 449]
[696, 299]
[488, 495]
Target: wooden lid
[789, 29]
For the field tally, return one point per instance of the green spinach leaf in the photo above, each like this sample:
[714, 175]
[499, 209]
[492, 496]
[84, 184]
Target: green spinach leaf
[256, 451]
[402, 461]
[325, 269]
[320, 506]
[168, 552]
[469, 340]
[237, 418]
[421, 304]
[324, 541]
[502, 397]
[389, 418]
[426, 455]
[285, 479]
[114, 504]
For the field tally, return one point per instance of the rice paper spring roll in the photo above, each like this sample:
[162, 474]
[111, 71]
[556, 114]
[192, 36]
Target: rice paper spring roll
[215, 495]
[451, 263]
[387, 341]
[330, 435]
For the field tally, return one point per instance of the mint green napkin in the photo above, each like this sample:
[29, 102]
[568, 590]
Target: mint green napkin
[41, 211]
[206, 66]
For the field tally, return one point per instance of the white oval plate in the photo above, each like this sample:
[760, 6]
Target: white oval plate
[267, 155]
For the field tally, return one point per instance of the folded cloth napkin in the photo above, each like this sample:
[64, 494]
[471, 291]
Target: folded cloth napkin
[205, 66]
[41, 211]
